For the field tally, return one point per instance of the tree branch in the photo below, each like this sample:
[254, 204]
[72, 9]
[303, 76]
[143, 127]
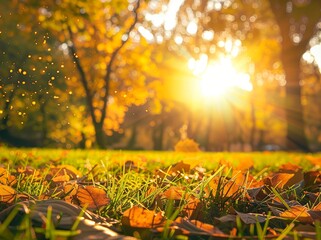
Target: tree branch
[112, 60]
[83, 78]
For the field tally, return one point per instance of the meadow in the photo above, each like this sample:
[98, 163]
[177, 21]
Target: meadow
[96, 194]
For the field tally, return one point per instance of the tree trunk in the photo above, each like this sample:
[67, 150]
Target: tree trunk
[132, 140]
[296, 138]
[158, 136]
[100, 136]
[288, 14]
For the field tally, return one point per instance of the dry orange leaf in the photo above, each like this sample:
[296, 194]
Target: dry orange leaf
[290, 168]
[6, 178]
[61, 178]
[92, 197]
[245, 179]
[224, 187]
[312, 178]
[65, 170]
[139, 217]
[174, 192]
[70, 190]
[193, 209]
[245, 164]
[179, 167]
[7, 194]
[299, 213]
[195, 227]
[279, 180]
[317, 207]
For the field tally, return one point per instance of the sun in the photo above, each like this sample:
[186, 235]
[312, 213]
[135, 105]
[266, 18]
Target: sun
[220, 77]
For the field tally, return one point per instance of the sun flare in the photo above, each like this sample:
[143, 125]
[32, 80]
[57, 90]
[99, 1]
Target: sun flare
[220, 77]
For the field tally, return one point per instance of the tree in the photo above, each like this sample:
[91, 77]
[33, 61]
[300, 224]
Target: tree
[28, 73]
[112, 59]
[297, 21]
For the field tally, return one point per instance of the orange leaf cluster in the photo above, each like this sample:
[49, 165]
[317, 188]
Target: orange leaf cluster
[212, 209]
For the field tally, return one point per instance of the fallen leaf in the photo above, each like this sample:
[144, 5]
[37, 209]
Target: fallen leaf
[312, 179]
[70, 191]
[62, 170]
[279, 180]
[245, 164]
[139, 217]
[61, 178]
[224, 187]
[289, 168]
[7, 194]
[226, 218]
[259, 193]
[6, 178]
[299, 213]
[175, 193]
[251, 218]
[92, 197]
[179, 167]
[195, 227]
[192, 210]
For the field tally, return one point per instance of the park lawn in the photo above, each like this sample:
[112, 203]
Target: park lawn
[165, 195]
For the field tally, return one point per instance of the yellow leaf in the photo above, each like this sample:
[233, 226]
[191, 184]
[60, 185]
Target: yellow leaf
[142, 218]
[7, 194]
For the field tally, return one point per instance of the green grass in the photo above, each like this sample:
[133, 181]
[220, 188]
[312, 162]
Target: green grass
[79, 158]
[137, 184]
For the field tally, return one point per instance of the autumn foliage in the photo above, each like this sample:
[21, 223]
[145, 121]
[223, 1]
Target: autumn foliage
[171, 200]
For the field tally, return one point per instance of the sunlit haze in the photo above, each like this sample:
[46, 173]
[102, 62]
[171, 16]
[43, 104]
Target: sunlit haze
[217, 78]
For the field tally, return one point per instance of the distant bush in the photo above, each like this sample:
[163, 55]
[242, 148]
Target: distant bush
[187, 145]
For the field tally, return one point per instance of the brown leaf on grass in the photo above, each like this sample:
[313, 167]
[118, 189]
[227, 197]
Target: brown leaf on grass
[312, 197]
[317, 207]
[179, 167]
[289, 168]
[192, 210]
[251, 218]
[70, 190]
[312, 179]
[245, 179]
[61, 178]
[175, 193]
[289, 174]
[138, 217]
[226, 218]
[28, 170]
[224, 187]
[63, 170]
[174, 170]
[294, 169]
[6, 178]
[7, 194]
[91, 197]
[258, 193]
[193, 227]
[279, 180]
[245, 164]
[299, 213]
[315, 214]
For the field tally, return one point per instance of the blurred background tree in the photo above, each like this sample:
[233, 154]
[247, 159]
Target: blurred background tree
[232, 75]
